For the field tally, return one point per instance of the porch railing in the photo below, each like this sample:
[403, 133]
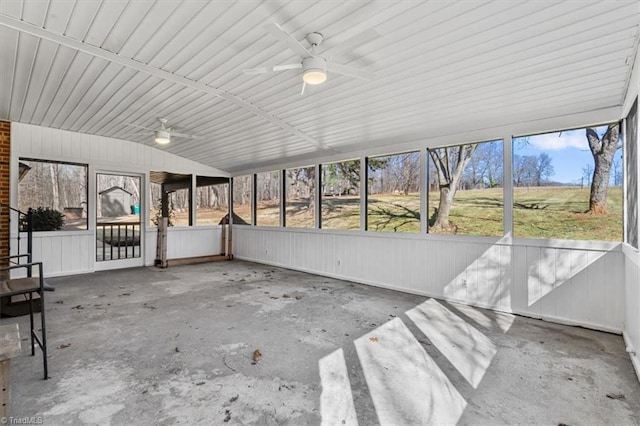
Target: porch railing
[117, 240]
[24, 228]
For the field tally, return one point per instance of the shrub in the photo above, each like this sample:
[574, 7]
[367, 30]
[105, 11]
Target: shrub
[46, 219]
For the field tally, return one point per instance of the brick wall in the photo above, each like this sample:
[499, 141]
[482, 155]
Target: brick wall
[5, 154]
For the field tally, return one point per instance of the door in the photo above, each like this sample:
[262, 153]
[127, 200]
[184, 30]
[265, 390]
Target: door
[118, 224]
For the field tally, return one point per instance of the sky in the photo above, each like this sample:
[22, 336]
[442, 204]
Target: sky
[569, 152]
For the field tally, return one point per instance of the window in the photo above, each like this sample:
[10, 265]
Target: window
[465, 189]
[300, 197]
[341, 195]
[178, 202]
[179, 207]
[558, 190]
[242, 200]
[212, 200]
[268, 199]
[155, 209]
[62, 187]
[631, 154]
[393, 203]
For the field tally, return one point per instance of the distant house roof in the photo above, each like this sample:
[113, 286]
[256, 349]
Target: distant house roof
[113, 188]
[23, 169]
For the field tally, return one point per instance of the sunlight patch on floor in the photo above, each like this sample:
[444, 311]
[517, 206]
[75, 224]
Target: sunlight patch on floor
[466, 348]
[406, 384]
[336, 401]
[497, 321]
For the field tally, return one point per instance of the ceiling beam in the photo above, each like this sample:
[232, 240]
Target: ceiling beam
[42, 33]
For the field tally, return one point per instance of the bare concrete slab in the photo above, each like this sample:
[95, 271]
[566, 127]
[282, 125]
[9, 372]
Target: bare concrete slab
[242, 343]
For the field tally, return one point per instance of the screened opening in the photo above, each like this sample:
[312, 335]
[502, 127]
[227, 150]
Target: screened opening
[561, 192]
[393, 202]
[465, 193]
[56, 191]
[268, 199]
[212, 200]
[242, 190]
[300, 197]
[171, 198]
[340, 195]
[631, 154]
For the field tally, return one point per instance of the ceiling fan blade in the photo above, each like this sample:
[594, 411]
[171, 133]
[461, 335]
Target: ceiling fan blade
[185, 135]
[278, 32]
[140, 127]
[255, 71]
[350, 71]
[287, 67]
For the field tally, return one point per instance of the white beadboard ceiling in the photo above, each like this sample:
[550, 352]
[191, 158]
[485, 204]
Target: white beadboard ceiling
[441, 66]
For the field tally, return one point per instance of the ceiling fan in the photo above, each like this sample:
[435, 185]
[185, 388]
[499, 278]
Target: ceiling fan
[164, 133]
[314, 67]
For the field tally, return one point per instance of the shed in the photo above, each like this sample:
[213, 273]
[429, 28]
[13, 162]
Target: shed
[114, 202]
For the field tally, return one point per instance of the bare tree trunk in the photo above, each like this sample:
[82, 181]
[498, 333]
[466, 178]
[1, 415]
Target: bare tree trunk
[450, 163]
[603, 151]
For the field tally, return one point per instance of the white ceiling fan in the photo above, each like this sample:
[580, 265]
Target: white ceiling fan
[314, 67]
[164, 133]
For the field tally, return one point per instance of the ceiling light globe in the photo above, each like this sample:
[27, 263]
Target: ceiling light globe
[314, 70]
[314, 76]
[163, 137]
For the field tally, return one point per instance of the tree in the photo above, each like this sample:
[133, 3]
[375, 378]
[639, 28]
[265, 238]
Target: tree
[587, 174]
[405, 172]
[485, 167]
[603, 149]
[450, 163]
[544, 168]
[524, 169]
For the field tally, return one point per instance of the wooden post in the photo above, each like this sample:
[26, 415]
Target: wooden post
[223, 239]
[229, 252]
[9, 348]
[161, 244]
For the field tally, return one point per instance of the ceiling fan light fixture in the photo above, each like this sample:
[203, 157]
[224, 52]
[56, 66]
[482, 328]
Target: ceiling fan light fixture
[163, 137]
[314, 70]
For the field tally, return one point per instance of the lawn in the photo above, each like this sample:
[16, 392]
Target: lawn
[559, 212]
[539, 212]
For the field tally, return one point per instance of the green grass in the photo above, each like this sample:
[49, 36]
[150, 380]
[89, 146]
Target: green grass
[544, 212]
[474, 212]
[561, 214]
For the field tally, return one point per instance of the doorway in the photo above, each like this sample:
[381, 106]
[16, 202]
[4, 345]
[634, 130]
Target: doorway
[118, 221]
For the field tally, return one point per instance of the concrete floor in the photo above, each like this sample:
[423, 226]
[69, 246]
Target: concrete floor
[176, 346]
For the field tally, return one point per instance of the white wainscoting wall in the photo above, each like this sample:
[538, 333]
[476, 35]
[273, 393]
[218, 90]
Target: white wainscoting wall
[185, 242]
[581, 283]
[632, 299]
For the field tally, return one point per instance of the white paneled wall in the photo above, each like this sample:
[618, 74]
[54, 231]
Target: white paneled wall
[194, 241]
[185, 242]
[71, 252]
[582, 286]
[632, 299]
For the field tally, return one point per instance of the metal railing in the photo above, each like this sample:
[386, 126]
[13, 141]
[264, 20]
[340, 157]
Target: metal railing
[25, 225]
[117, 240]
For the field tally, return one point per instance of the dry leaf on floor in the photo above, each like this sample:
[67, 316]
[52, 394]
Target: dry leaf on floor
[615, 396]
[373, 339]
[257, 356]
[64, 345]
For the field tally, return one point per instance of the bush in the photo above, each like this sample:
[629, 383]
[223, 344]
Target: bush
[46, 219]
